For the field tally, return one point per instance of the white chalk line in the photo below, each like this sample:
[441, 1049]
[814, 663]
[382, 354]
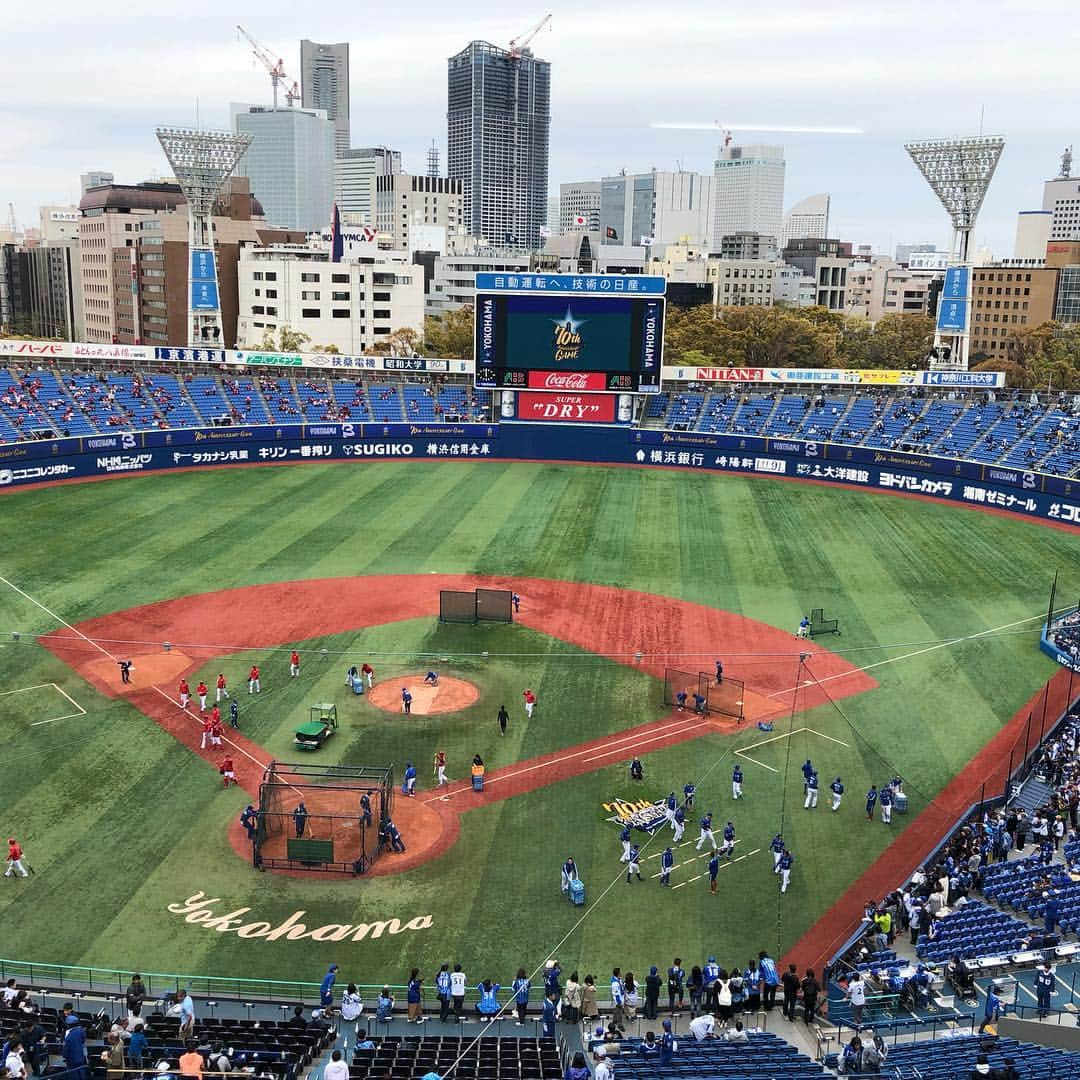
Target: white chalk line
[75, 630]
[60, 690]
[742, 752]
[730, 862]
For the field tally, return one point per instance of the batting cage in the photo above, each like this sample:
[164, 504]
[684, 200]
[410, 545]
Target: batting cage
[479, 605]
[704, 694]
[312, 817]
[820, 625]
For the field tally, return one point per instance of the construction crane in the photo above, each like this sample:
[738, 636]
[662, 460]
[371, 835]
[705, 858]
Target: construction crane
[519, 44]
[275, 68]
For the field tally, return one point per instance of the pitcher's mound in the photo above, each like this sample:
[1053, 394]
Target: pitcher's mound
[451, 695]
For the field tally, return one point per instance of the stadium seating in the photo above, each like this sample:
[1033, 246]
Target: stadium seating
[973, 930]
[244, 397]
[787, 417]
[281, 400]
[317, 401]
[351, 399]
[486, 1058]
[385, 401]
[208, 397]
[763, 1055]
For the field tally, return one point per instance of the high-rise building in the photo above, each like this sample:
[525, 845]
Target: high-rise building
[1061, 196]
[95, 178]
[749, 191]
[656, 208]
[579, 206]
[498, 127]
[1032, 234]
[324, 84]
[418, 212]
[807, 219]
[290, 163]
[355, 176]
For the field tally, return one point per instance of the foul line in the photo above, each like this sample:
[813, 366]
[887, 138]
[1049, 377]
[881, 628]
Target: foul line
[75, 630]
[907, 656]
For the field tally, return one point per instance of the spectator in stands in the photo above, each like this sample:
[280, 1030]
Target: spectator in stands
[135, 995]
[336, 1068]
[138, 1050]
[856, 993]
[703, 1027]
[351, 1004]
[74, 1048]
[297, 1019]
[362, 1040]
[488, 1005]
[991, 1009]
[14, 1065]
[550, 1012]
[572, 999]
[187, 1015]
[652, 993]
[589, 1008]
[695, 986]
[603, 1069]
[384, 1007]
[577, 1069]
[414, 997]
[191, 1061]
[982, 1067]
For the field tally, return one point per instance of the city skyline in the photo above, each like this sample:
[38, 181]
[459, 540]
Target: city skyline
[702, 70]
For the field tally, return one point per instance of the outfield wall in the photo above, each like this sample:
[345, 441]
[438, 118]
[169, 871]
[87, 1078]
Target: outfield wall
[1035, 495]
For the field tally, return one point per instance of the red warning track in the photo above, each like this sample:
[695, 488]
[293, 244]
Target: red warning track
[600, 619]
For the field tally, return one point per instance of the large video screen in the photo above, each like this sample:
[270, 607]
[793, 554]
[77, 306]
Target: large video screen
[567, 341]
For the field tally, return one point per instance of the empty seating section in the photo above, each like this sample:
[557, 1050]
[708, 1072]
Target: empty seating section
[385, 401]
[657, 406]
[1003, 435]
[718, 411]
[823, 416]
[971, 931]
[944, 1059]
[246, 401]
[685, 409]
[487, 1058]
[857, 422]
[752, 414]
[208, 397]
[1040, 437]
[973, 424]
[787, 417]
[763, 1055]
[419, 404]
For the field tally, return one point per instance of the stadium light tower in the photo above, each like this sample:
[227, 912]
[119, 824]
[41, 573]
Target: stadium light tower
[958, 172]
[201, 161]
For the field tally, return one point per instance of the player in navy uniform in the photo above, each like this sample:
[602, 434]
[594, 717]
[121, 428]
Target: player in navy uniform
[699, 703]
[706, 833]
[624, 836]
[776, 846]
[670, 804]
[365, 809]
[1044, 987]
[248, 819]
[886, 800]
[729, 840]
[688, 792]
[678, 825]
[786, 862]
[234, 714]
[714, 869]
[569, 873]
[636, 770]
[837, 790]
[871, 801]
[680, 700]
[811, 791]
[719, 672]
[667, 861]
[632, 864]
[807, 769]
[736, 781]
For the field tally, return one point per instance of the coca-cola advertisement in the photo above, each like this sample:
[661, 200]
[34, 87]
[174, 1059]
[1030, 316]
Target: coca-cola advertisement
[567, 380]
[574, 408]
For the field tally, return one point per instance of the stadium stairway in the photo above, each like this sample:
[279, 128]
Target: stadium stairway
[1033, 794]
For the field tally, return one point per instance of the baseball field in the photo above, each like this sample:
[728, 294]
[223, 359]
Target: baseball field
[138, 858]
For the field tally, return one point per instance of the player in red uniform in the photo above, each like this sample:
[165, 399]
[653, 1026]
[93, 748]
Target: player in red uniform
[185, 693]
[202, 692]
[294, 664]
[228, 773]
[14, 859]
[217, 730]
[253, 679]
[222, 690]
[368, 672]
[530, 702]
[207, 733]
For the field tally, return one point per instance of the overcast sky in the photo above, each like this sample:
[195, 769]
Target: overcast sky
[83, 90]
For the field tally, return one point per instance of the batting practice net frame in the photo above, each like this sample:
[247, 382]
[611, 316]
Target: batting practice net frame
[476, 606]
[335, 837]
[820, 625]
[721, 699]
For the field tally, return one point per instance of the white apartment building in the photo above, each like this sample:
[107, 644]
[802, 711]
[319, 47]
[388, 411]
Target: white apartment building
[884, 287]
[408, 207]
[1061, 196]
[453, 284]
[742, 282]
[579, 206]
[791, 287]
[351, 305]
[748, 191]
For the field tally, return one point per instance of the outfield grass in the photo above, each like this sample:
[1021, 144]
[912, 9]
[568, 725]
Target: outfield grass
[120, 821]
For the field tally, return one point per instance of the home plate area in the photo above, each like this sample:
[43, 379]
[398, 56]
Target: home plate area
[450, 695]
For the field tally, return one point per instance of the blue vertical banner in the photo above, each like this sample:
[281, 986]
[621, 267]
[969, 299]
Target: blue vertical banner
[955, 296]
[204, 290]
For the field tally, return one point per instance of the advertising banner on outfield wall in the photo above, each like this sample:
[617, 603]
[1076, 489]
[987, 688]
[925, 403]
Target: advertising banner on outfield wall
[1035, 496]
[837, 376]
[577, 408]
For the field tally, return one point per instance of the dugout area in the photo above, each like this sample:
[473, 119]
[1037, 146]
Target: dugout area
[335, 837]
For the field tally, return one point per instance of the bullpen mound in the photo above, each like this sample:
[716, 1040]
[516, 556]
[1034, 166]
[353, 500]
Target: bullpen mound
[451, 695]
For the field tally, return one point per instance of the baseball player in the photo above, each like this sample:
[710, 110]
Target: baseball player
[885, 800]
[222, 687]
[667, 861]
[440, 768]
[431, 678]
[871, 800]
[530, 702]
[368, 672]
[804, 628]
[569, 873]
[706, 833]
[228, 772]
[786, 862]
[633, 866]
[811, 791]
[680, 700]
[729, 840]
[807, 769]
[14, 859]
[207, 733]
[294, 664]
[125, 670]
[699, 703]
[637, 772]
[217, 730]
[406, 700]
[517, 602]
[248, 818]
[837, 789]
[670, 806]
[624, 837]
[202, 692]
[503, 718]
[253, 680]
[234, 714]
[776, 846]
[736, 781]
[719, 672]
[365, 809]
[688, 792]
[300, 816]
[408, 785]
[678, 825]
[714, 869]
[184, 693]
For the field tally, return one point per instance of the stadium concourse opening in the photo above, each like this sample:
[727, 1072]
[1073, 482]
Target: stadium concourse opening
[312, 817]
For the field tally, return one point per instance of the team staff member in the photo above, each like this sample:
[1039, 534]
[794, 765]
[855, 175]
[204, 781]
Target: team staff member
[503, 717]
